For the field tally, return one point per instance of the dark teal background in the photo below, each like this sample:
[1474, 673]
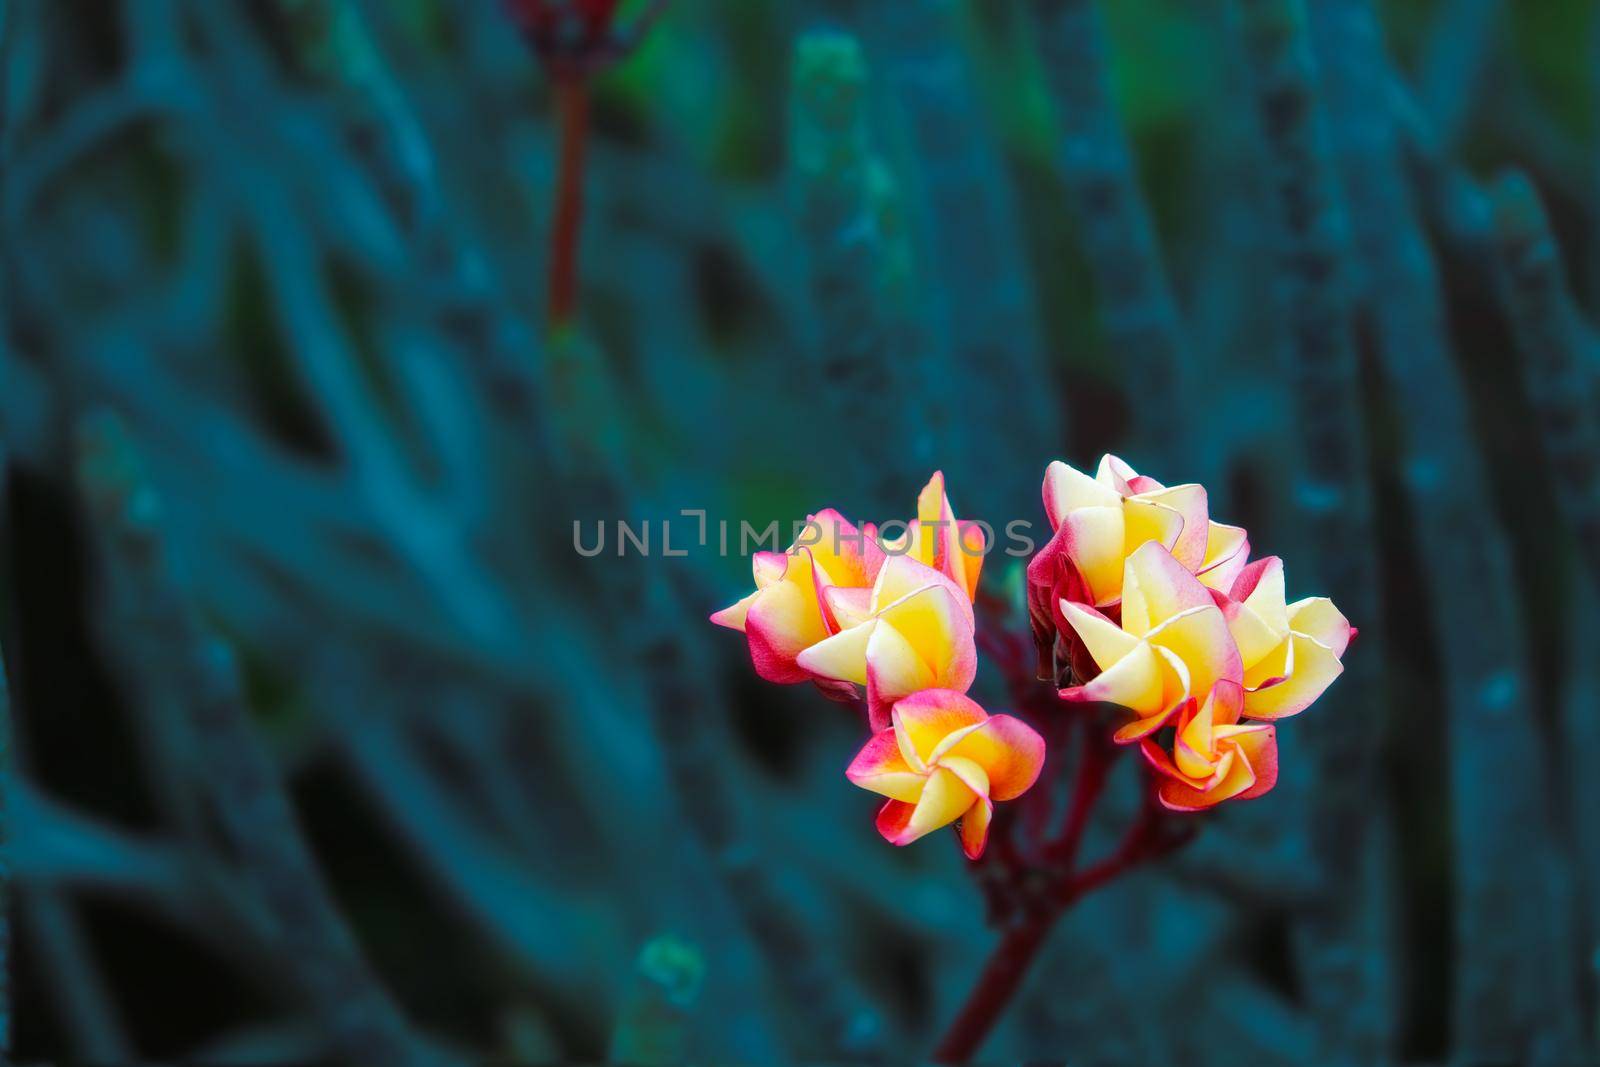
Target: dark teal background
[293, 466]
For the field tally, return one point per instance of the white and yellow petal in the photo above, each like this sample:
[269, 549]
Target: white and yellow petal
[1318, 619]
[733, 615]
[880, 768]
[784, 620]
[1105, 641]
[1188, 503]
[1116, 474]
[842, 657]
[1095, 540]
[1067, 490]
[975, 827]
[1135, 681]
[936, 623]
[944, 799]
[845, 554]
[1155, 587]
[936, 539]
[1312, 667]
[1227, 552]
[894, 671]
[1010, 752]
[1200, 638]
[923, 720]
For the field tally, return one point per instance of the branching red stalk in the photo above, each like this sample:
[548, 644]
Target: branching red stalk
[1008, 964]
[1019, 945]
[1092, 771]
[1035, 810]
[572, 115]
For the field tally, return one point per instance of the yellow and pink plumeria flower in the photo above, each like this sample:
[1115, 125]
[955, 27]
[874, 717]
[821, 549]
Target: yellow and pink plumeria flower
[789, 612]
[912, 630]
[1098, 523]
[1188, 634]
[1291, 652]
[948, 545]
[942, 759]
[1215, 757]
[1172, 644]
[831, 610]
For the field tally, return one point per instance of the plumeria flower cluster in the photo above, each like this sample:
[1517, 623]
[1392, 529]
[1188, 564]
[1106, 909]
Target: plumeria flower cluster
[1152, 606]
[891, 621]
[1138, 600]
[1154, 628]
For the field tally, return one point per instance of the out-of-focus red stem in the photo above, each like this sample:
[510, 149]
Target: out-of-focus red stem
[1036, 808]
[996, 646]
[572, 116]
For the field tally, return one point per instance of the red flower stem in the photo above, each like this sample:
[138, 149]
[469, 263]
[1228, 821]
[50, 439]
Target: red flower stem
[1141, 844]
[1091, 781]
[1008, 964]
[997, 648]
[1036, 809]
[997, 983]
[572, 115]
